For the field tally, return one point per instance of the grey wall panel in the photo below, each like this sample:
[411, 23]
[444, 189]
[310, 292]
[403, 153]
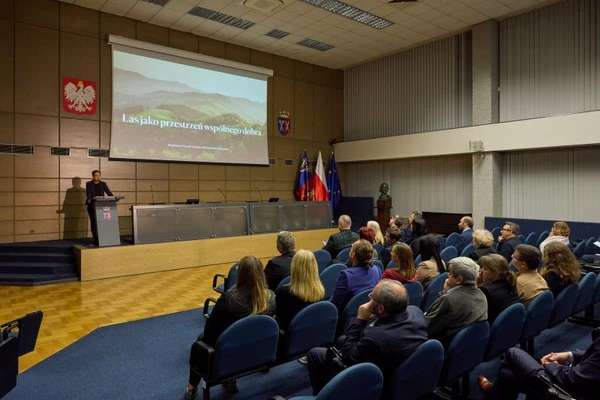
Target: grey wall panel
[550, 61]
[552, 184]
[423, 89]
[441, 184]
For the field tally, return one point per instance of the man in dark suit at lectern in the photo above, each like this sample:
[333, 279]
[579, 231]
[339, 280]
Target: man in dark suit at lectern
[94, 188]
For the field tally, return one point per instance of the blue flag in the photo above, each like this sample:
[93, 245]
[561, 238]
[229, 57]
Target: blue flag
[302, 189]
[333, 184]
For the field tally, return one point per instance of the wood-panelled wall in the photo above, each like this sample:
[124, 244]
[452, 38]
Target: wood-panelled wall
[42, 196]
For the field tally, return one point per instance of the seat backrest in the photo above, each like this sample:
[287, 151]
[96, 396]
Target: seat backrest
[537, 315]
[585, 292]
[451, 239]
[441, 241]
[543, 236]
[343, 255]
[522, 238]
[531, 239]
[579, 250]
[378, 247]
[433, 290]
[282, 282]
[231, 277]
[512, 267]
[563, 305]
[313, 326]
[246, 345]
[495, 233]
[465, 351]
[358, 382]
[9, 365]
[590, 247]
[417, 375]
[467, 250]
[379, 264]
[415, 293]
[448, 254]
[351, 309]
[597, 290]
[25, 329]
[418, 260]
[323, 259]
[505, 331]
[329, 278]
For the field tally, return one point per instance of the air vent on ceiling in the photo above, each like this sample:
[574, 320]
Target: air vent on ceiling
[16, 149]
[98, 153]
[288, 162]
[157, 2]
[272, 161]
[220, 17]
[266, 6]
[60, 151]
[277, 34]
[314, 44]
[353, 13]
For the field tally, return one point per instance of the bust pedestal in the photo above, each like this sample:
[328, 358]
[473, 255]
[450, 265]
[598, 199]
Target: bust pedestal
[383, 213]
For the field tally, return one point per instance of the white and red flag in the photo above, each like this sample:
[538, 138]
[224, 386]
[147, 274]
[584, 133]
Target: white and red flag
[319, 183]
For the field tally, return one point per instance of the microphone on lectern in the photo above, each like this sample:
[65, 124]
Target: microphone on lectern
[223, 193]
[152, 191]
[260, 194]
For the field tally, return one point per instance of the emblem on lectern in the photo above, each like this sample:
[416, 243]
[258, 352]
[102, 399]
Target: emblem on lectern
[106, 214]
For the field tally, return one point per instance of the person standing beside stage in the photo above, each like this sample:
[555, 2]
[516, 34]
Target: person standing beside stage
[94, 188]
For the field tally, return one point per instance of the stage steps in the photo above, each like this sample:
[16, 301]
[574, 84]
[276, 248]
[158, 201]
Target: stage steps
[37, 263]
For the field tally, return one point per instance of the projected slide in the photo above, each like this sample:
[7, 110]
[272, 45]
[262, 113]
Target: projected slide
[171, 111]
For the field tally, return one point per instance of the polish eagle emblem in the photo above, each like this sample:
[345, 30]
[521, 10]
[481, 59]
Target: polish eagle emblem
[79, 96]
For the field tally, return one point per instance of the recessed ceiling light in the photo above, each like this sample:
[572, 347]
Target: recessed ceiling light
[221, 18]
[315, 44]
[350, 12]
[157, 2]
[277, 34]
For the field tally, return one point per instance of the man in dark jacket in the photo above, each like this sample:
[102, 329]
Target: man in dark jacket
[392, 236]
[576, 372]
[508, 240]
[385, 332]
[279, 267]
[344, 238]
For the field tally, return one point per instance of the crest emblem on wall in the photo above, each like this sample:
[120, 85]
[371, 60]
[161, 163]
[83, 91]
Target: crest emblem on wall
[79, 96]
[284, 123]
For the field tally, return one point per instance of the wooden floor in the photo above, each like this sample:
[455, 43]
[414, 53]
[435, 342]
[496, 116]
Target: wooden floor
[72, 310]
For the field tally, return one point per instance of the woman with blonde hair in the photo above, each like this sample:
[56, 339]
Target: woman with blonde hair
[561, 268]
[304, 288]
[374, 226]
[559, 234]
[482, 241]
[404, 270]
[498, 284]
[250, 297]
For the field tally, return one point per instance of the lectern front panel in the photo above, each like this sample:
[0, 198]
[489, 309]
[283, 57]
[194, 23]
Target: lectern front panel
[318, 215]
[230, 221]
[156, 225]
[194, 223]
[292, 216]
[264, 218]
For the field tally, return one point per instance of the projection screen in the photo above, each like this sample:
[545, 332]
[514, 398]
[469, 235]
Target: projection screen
[168, 107]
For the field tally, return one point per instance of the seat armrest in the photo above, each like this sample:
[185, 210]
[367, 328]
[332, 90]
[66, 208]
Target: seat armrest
[214, 283]
[276, 397]
[206, 305]
[201, 355]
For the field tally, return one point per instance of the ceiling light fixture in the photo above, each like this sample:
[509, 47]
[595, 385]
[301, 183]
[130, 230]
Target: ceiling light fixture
[221, 18]
[350, 12]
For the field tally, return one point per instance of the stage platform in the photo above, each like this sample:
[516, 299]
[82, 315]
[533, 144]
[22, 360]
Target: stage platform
[109, 262]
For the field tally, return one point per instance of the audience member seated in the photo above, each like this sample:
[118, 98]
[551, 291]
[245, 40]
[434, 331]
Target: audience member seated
[482, 241]
[360, 276]
[392, 236]
[418, 231]
[530, 283]
[404, 271]
[576, 372]
[461, 303]
[561, 268]
[398, 221]
[498, 284]
[466, 237]
[279, 267]
[432, 264]
[368, 235]
[304, 288]
[344, 238]
[250, 297]
[508, 240]
[385, 332]
[559, 234]
[407, 231]
[374, 226]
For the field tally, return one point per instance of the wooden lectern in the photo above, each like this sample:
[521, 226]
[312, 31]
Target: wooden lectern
[383, 213]
[107, 220]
